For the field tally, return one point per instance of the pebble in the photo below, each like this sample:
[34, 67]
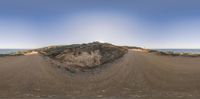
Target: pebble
[99, 96]
[103, 91]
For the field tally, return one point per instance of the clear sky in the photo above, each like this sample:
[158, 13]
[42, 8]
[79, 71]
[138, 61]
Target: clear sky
[144, 23]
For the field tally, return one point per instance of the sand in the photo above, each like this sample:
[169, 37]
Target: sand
[137, 75]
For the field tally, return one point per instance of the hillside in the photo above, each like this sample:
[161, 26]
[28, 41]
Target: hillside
[82, 56]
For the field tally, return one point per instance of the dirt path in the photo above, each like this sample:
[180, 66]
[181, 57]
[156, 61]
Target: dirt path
[137, 75]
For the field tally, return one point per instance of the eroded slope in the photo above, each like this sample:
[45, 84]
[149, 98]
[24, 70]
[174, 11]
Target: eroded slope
[84, 55]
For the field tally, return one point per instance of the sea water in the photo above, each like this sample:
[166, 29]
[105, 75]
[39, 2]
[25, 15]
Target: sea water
[193, 51]
[9, 51]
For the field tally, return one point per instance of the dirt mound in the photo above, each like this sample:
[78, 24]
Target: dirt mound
[84, 55]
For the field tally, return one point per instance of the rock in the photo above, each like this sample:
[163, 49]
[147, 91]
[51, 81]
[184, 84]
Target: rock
[99, 96]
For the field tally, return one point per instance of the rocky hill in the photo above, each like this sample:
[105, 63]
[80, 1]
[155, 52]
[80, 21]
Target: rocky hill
[84, 55]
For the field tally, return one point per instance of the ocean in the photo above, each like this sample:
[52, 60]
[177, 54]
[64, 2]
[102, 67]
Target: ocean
[9, 51]
[193, 51]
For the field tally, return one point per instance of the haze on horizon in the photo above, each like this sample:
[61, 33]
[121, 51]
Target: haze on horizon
[143, 23]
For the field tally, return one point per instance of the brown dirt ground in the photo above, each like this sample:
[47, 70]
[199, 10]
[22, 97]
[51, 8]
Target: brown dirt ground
[138, 75]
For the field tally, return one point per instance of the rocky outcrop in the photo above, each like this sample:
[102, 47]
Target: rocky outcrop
[84, 55]
[80, 58]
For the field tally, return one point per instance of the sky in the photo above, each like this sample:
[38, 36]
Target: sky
[143, 23]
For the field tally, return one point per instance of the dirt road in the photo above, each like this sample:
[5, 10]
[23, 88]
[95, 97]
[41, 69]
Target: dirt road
[137, 75]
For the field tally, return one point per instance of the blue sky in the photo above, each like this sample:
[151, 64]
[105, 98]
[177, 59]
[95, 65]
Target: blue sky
[144, 23]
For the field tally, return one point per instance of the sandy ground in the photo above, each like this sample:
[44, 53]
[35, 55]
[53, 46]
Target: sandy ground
[138, 75]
